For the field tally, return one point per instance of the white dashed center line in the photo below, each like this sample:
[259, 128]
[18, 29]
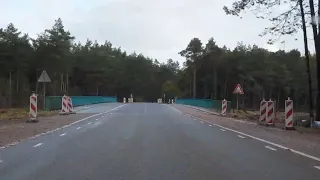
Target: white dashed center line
[37, 145]
[317, 167]
[102, 116]
[89, 122]
[1, 161]
[201, 121]
[63, 134]
[210, 125]
[268, 147]
[222, 129]
[78, 127]
[195, 119]
[241, 136]
[97, 119]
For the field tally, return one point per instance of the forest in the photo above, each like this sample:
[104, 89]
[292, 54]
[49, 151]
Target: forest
[209, 70]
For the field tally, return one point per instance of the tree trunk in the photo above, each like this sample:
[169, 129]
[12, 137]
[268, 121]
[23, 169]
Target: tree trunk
[225, 87]
[10, 93]
[18, 81]
[61, 83]
[215, 87]
[205, 91]
[316, 39]
[190, 89]
[194, 83]
[278, 100]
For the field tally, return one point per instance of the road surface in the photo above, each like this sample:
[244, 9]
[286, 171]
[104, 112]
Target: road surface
[143, 141]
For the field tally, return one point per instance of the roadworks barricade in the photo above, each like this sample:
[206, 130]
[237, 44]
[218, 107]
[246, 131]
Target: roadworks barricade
[33, 108]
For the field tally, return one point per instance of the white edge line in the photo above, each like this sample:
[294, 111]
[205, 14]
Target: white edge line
[317, 167]
[37, 145]
[241, 136]
[262, 140]
[174, 109]
[16, 142]
[268, 147]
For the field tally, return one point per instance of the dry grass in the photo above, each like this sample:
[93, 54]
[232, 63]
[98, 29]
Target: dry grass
[249, 115]
[21, 113]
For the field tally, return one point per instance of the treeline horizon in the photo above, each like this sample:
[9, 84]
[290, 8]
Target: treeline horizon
[91, 68]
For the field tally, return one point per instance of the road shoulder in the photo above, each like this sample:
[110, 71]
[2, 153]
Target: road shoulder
[12, 131]
[307, 143]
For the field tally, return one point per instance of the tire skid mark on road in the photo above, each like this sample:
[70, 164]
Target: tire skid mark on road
[38, 145]
[260, 139]
[271, 148]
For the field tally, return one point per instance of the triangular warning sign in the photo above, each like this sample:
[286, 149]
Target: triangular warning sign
[44, 77]
[238, 90]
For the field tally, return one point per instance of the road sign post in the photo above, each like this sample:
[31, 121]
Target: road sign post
[238, 90]
[44, 78]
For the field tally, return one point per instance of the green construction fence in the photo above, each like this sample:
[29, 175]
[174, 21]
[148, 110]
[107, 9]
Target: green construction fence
[54, 102]
[204, 103]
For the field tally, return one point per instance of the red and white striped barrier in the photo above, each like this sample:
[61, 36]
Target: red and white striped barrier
[289, 114]
[224, 108]
[70, 106]
[64, 106]
[263, 111]
[33, 108]
[270, 113]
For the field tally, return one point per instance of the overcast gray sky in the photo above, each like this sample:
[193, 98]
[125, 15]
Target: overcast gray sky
[156, 28]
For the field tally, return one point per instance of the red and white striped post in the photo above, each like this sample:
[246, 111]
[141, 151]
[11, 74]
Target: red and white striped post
[224, 107]
[270, 113]
[289, 114]
[64, 106]
[263, 111]
[33, 108]
[70, 106]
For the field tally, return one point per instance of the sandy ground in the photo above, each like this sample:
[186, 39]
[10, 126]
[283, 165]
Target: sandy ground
[305, 142]
[15, 130]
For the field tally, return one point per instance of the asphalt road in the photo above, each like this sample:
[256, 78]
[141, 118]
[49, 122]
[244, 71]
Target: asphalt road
[143, 141]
